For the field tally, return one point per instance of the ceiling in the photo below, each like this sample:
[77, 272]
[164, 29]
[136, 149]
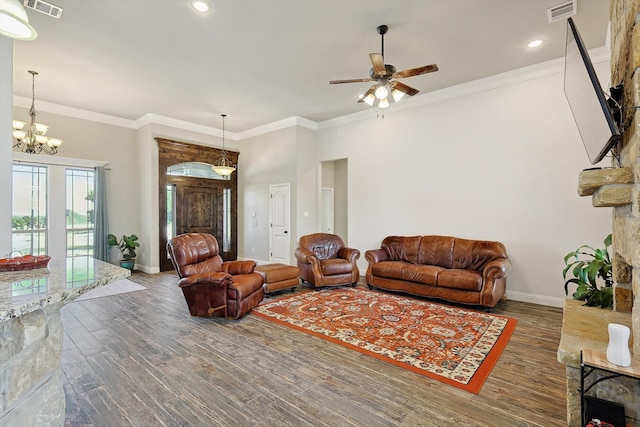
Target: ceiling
[261, 61]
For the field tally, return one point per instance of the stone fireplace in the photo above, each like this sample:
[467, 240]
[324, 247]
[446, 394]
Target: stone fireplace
[619, 189]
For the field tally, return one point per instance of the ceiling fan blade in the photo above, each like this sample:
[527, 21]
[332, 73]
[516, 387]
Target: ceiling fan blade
[335, 82]
[415, 71]
[367, 93]
[378, 64]
[407, 90]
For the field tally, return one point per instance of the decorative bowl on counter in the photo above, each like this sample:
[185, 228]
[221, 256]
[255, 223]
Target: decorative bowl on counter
[24, 262]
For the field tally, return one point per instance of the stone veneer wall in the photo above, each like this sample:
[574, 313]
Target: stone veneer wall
[30, 370]
[625, 68]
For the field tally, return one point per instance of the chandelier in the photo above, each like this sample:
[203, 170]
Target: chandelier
[33, 139]
[223, 166]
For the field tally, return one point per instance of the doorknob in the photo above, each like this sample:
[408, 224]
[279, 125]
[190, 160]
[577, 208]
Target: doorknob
[285, 231]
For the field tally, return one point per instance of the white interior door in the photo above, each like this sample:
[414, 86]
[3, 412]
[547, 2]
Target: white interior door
[327, 210]
[280, 221]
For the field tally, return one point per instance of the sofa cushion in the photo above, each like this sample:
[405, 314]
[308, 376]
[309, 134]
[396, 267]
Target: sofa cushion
[401, 248]
[425, 274]
[389, 269]
[436, 250]
[467, 280]
[475, 254]
[334, 266]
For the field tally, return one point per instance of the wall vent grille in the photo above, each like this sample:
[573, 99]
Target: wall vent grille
[44, 7]
[562, 11]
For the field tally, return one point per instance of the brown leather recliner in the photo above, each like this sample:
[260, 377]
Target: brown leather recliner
[324, 260]
[211, 287]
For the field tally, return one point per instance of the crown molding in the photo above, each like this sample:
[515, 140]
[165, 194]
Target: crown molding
[598, 55]
[281, 124]
[77, 113]
[156, 119]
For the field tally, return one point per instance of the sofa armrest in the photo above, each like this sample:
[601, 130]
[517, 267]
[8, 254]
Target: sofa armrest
[375, 255]
[305, 256]
[216, 278]
[239, 267]
[496, 269]
[350, 254]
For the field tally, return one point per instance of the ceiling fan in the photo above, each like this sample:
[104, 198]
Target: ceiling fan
[385, 76]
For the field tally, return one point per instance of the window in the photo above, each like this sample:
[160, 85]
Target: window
[29, 217]
[195, 170]
[226, 220]
[80, 188]
[171, 212]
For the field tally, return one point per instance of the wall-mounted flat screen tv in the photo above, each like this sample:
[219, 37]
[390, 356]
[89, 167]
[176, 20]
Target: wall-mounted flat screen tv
[591, 111]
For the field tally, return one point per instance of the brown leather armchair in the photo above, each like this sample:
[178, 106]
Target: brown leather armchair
[211, 287]
[324, 260]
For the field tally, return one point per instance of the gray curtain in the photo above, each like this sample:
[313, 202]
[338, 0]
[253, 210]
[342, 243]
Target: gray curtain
[101, 225]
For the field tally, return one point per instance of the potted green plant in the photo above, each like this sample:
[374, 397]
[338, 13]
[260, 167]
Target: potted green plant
[587, 264]
[127, 246]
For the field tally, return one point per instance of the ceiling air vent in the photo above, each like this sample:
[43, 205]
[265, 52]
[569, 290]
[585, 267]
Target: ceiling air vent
[44, 7]
[562, 11]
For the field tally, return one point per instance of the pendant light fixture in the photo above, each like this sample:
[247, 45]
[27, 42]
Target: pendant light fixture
[33, 140]
[14, 22]
[223, 166]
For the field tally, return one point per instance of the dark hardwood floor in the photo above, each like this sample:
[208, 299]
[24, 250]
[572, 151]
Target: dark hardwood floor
[140, 359]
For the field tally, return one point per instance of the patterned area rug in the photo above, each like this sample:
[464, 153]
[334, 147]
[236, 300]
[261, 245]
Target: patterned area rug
[456, 346]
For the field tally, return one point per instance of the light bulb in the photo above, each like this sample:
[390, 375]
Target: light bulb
[381, 92]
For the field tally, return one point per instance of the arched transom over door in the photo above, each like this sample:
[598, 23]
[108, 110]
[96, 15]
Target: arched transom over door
[194, 199]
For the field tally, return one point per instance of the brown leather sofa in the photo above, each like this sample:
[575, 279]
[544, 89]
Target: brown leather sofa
[211, 287]
[458, 270]
[324, 260]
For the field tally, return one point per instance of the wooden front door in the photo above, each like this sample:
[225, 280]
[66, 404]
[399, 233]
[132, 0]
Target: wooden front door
[191, 204]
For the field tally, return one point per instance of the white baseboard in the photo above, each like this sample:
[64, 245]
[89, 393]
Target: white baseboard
[147, 269]
[535, 299]
[258, 261]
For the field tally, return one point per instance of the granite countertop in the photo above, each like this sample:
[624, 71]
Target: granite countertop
[62, 281]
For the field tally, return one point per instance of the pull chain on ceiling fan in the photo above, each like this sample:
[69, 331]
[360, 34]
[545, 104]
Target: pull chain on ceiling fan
[386, 78]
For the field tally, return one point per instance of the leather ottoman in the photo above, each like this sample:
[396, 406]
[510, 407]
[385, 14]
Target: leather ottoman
[278, 276]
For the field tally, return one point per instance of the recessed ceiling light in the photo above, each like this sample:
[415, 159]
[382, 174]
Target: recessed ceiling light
[534, 43]
[200, 5]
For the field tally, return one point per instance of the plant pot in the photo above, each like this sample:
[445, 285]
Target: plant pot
[127, 263]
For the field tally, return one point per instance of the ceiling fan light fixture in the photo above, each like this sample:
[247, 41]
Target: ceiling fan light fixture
[397, 95]
[369, 99]
[14, 22]
[384, 103]
[381, 91]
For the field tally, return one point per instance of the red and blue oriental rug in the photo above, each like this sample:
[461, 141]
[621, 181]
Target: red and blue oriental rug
[453, 345]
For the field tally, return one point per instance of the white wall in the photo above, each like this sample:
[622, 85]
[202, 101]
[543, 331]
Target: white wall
[265, 160]
[500, 164]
